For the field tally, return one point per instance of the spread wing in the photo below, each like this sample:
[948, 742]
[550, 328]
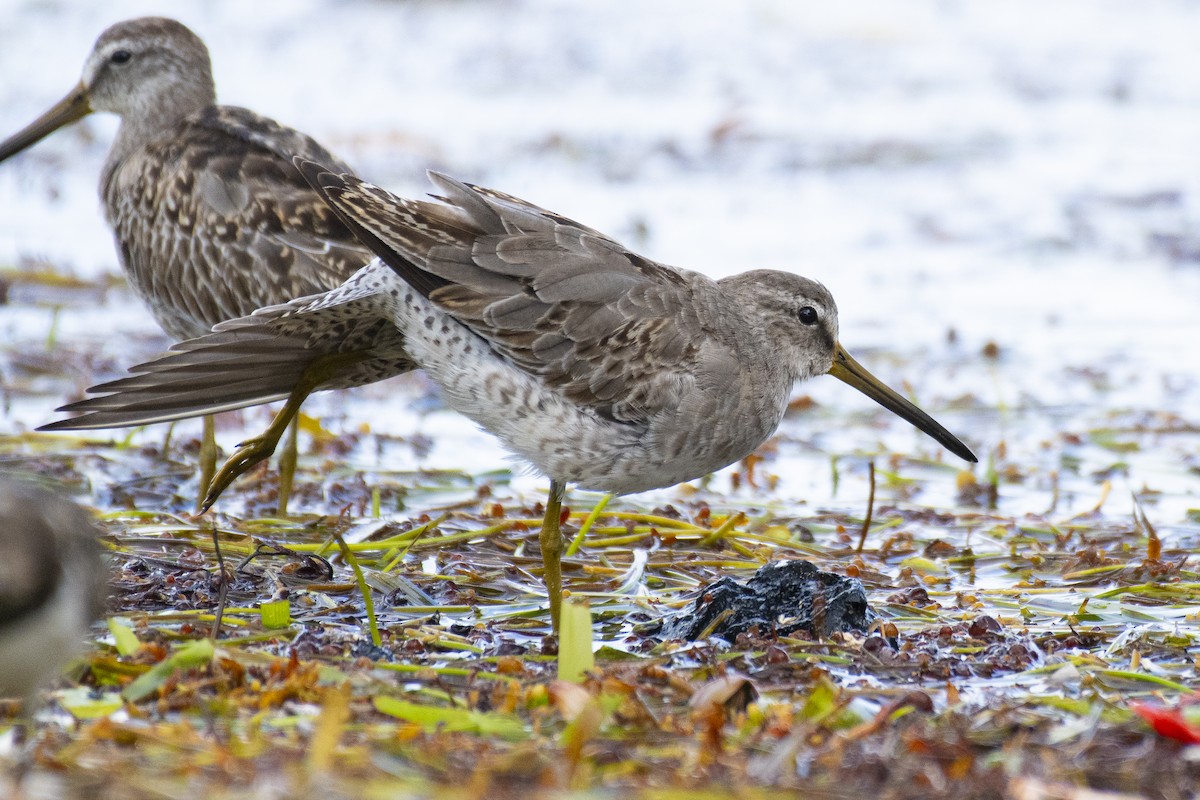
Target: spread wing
[256, 359]
[611, 330]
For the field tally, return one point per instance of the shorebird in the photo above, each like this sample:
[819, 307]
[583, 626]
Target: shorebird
[210, 217]
[596, 365]
[53, 584]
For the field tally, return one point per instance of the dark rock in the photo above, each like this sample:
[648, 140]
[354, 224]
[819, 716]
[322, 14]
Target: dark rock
[780, 599]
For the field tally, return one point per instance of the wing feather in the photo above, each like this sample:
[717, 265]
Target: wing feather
[255, 359]
[609, 329]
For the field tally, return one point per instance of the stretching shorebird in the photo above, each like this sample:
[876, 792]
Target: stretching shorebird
[596, 365]
[211, 218]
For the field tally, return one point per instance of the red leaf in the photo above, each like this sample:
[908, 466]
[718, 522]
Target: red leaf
[1167, 722]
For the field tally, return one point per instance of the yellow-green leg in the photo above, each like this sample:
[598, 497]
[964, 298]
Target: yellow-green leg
[288, 458]
[208, 462]
[252, 451]
[552, 547]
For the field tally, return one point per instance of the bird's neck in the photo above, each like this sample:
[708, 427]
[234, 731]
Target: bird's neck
[155, 115]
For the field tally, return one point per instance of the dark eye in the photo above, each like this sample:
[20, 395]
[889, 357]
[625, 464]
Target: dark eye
[808, 315]
[120, 56]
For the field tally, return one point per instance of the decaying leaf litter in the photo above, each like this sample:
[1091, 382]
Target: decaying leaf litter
[1016, 171]
[1010, 653]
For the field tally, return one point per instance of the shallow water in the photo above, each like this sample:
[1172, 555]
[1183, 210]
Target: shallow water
[958, 175]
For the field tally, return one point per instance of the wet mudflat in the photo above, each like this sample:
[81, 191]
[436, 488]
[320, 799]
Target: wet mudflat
[1006, 213]
[1021, 617]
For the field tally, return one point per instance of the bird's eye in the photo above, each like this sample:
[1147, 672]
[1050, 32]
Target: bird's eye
[808, 315]
[120, 56]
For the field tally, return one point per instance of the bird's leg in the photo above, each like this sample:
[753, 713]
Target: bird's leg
[287, 464]
[252, 451]
[208, 461]
[551, 541]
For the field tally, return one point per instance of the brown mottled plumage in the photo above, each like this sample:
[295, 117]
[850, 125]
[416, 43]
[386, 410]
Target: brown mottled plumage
[211, 218]
[598, 366]
[213, 221]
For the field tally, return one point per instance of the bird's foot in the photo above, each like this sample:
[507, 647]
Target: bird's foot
[248, 454]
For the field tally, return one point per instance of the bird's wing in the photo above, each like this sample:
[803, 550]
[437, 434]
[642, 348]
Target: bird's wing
[232, 224]
[253, 360]
[611, 330]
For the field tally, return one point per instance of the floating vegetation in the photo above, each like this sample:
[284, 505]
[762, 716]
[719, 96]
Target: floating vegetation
[1006, 652]
[1035, 631]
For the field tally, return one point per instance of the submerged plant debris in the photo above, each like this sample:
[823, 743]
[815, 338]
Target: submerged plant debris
[1002, 198]
[1007, 653]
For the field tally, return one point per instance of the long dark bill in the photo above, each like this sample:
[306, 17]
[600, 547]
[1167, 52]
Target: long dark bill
[846, 369]
[72, 107]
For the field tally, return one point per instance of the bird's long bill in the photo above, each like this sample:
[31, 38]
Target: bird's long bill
[72, 107]
[848, 370]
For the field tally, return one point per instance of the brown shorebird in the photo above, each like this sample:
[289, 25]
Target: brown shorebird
[596, 365]
[53, 584]
[210, 216]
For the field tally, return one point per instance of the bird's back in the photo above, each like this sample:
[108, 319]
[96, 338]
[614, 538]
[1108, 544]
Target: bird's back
[213, 221]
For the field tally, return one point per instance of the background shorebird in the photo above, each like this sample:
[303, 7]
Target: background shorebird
[211, 218]
[53, 584]
[596, 365]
